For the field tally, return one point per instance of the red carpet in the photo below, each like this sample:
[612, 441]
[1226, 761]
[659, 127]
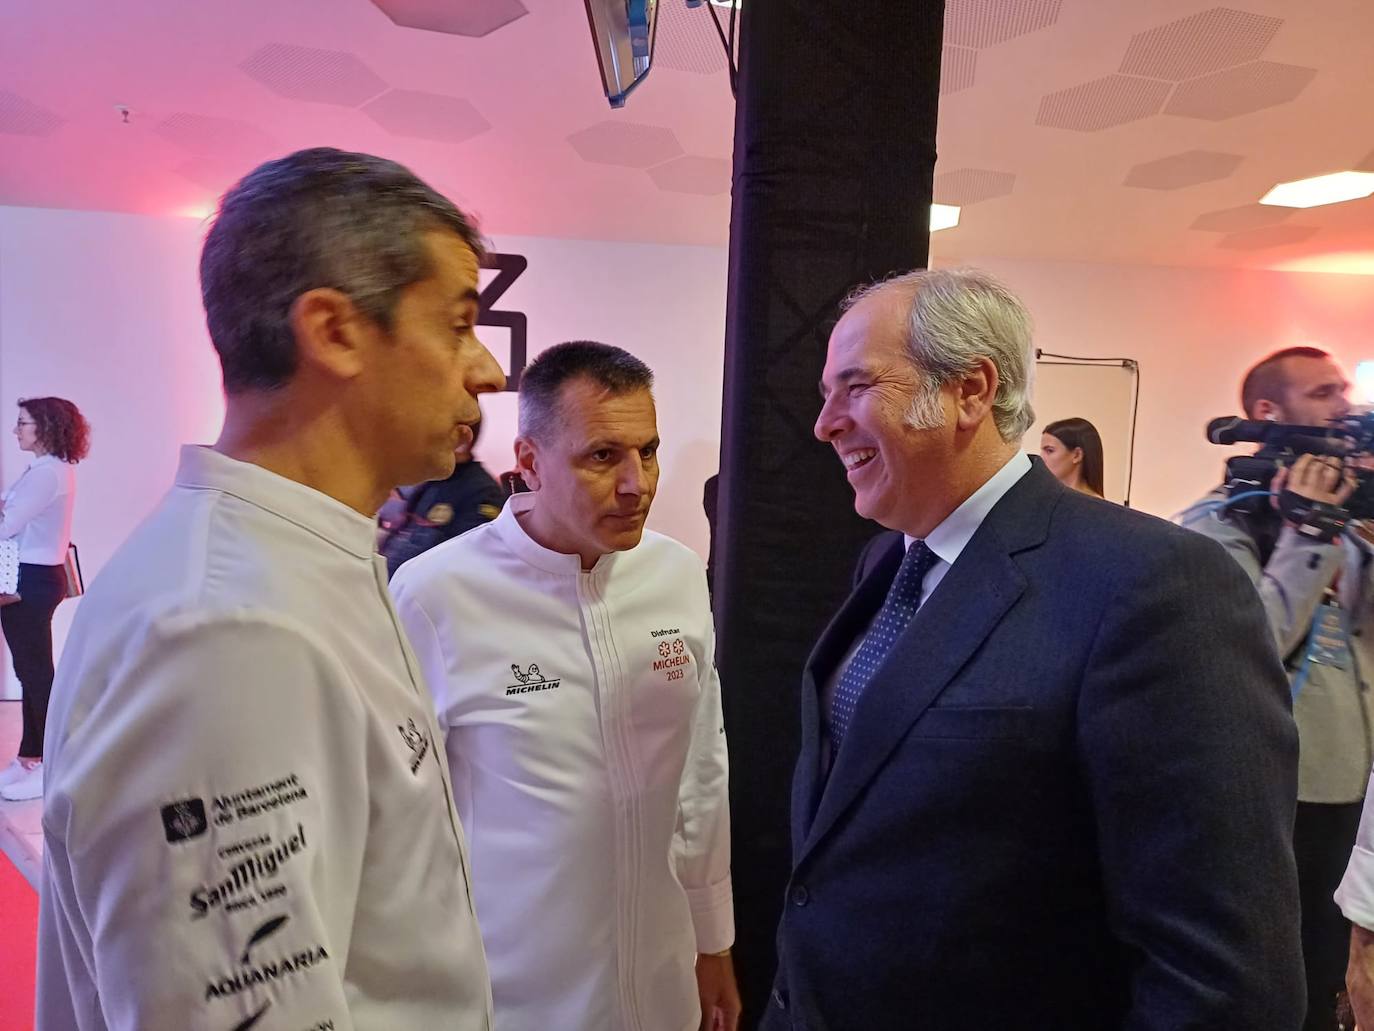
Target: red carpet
[18, 942]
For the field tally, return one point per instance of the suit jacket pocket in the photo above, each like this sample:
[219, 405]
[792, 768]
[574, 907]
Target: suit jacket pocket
[973, 722]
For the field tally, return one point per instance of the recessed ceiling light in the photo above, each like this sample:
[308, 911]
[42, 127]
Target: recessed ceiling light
[943, 216]
[1321, 189]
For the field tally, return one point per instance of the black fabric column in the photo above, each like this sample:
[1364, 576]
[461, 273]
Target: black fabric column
[834, 155]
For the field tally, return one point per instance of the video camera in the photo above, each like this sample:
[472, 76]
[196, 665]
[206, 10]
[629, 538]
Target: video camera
[1281, 443]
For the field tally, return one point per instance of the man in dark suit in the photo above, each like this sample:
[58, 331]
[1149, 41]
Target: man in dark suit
[1048, 773]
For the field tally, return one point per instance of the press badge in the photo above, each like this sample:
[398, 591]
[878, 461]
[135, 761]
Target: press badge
[1330, 645]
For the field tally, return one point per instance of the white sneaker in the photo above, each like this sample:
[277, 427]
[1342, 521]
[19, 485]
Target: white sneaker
[11, 773]
[29, 786]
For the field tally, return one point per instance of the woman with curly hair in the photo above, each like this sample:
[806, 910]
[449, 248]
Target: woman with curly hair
[37, 509]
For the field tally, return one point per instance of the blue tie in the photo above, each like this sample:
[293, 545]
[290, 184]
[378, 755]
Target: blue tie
[903, 599]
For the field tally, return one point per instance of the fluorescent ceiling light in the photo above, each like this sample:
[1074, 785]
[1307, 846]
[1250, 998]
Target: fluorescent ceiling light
[943, 216]
[1321, 189]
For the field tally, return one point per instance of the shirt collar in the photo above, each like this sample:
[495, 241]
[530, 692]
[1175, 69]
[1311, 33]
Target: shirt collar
[202, 468]
[950, 538]
[508, 527]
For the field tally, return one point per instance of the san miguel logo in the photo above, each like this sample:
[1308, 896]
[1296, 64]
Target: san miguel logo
[239, 889]
[530, 680]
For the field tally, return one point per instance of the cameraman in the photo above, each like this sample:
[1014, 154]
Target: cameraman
[1302, 580]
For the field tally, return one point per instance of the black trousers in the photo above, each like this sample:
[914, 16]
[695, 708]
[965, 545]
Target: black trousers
[28, 632]
[1323, 838]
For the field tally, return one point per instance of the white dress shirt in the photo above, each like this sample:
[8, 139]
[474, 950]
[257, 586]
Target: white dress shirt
[582, 716]
[38, 510]
[947, 541]
[248, 819]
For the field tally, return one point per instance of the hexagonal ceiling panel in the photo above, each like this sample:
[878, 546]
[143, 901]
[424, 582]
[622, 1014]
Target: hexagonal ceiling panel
[22, 118]
[686, 40]
[426, 116]
[1186, 169]
[692, 174]
[957, 68]
[1239, 91]
[1262, 239]
[1102, 103]
[1205, 42]
[967, 186]
[460, 18]
[626, 143]
[209, 136]
[985, 23]
[1238, 220]
[305, 73]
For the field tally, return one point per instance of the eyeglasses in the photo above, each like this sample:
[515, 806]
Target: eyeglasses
[25, 422]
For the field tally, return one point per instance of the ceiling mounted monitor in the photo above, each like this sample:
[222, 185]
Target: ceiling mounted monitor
[623, 31]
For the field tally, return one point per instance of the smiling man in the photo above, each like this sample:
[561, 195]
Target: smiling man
[1043, 783]
[571, 655]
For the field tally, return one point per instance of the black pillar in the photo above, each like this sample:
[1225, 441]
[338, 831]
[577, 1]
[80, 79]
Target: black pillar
[834, 156]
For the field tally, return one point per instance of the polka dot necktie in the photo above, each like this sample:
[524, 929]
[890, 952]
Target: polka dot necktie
[903, 599]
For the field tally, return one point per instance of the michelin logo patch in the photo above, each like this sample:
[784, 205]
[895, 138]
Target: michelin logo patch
[530, 680]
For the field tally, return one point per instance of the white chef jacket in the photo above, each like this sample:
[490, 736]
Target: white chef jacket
[1355, 895]
[581, 713]
[38, 510]
[248, 822]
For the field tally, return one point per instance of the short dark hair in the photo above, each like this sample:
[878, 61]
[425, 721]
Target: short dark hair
[1266, 380]
[613, 369]
[61, 429]
[315, 218]
[1080, 433]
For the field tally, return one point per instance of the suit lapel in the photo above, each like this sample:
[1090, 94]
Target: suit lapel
[851, 621]
[951, 625]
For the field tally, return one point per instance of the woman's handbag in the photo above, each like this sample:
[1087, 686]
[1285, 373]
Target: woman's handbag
[76, 586]
[9, 571]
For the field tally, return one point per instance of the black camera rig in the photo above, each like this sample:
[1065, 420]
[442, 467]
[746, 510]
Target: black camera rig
[1249, 478]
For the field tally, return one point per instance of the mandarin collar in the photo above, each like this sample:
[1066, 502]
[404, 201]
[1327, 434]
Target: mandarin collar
[204, 468]
[508, 527]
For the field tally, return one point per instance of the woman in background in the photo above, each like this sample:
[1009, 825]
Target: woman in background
[37, 509]
[1072, 450]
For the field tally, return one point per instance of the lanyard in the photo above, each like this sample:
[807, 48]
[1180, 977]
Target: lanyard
[1328, 643]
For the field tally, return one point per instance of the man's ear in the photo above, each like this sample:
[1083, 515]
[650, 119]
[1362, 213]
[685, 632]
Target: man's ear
[332, 335]
[526, 463]
[975, 394]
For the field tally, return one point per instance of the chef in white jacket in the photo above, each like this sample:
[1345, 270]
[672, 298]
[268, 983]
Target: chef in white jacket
[248, 821]
[570, 653]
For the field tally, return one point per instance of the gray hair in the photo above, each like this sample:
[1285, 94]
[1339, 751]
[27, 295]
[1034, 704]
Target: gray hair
[611, 368]
[958, 316]
[315, 218]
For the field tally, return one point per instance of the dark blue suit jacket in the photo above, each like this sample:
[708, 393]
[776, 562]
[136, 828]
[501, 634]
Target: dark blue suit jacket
[1065, 803]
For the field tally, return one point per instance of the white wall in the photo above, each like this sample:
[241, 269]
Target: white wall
[104, 309]
[1194, 332]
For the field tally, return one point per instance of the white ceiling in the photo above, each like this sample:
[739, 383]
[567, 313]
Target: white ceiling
[1092, 130]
